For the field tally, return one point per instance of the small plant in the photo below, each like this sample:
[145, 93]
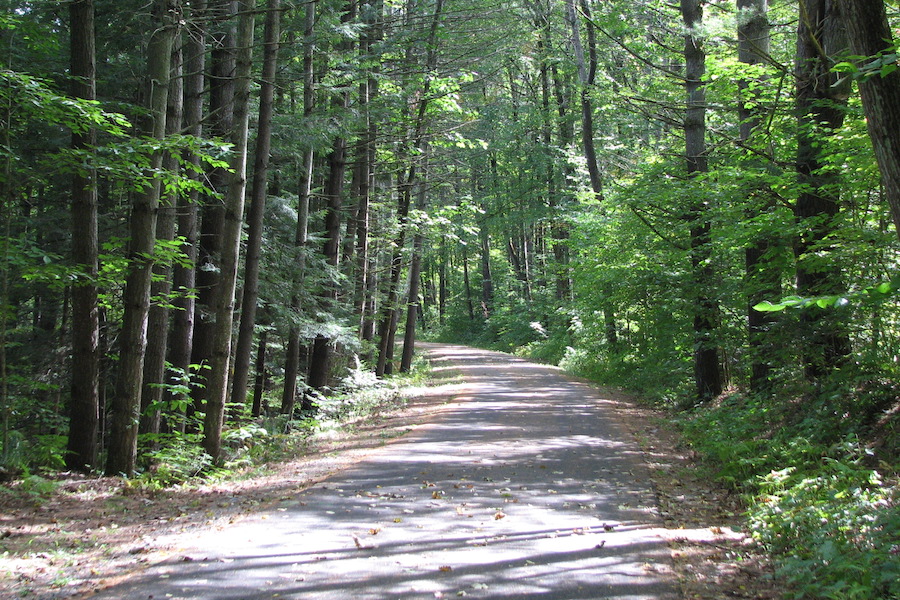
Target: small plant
[834, 532]
[183, 459]
[37, 488]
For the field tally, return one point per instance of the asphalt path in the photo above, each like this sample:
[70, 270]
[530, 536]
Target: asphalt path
[523, 487]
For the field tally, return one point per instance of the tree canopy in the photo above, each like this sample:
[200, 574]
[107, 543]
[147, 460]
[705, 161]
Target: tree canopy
[698, 203]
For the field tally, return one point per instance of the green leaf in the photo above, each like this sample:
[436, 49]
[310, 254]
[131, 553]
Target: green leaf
[766, 306]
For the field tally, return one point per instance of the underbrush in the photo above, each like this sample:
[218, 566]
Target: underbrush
[248, 444]
[821, 498]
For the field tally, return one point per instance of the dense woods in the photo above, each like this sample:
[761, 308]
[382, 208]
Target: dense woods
[697, 202]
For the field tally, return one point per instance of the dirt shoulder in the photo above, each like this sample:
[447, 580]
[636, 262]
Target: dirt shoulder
[93, 532]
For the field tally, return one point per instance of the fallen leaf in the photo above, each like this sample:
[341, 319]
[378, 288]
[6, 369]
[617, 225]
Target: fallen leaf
[445, 569]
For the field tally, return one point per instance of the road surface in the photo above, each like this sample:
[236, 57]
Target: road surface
[523, 487]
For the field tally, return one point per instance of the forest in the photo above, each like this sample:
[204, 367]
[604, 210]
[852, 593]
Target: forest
[222, 219]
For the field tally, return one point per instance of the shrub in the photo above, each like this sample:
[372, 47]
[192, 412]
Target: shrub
[836, 533]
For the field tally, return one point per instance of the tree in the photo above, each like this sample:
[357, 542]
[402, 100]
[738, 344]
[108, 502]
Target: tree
[231, 238]
[126, 404]
[870, 37]
[763, 280]
[257, 202]
[821, 100]
[85, 401]
[707, 370]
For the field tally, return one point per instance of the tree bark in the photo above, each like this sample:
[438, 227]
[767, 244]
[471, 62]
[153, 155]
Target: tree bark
[183, 276]
[231, 237]
[221, 123]
[293, 354]
[388, 324]
[158, 321]
[257, 203]
[85, 399]
[762, 280]
[415, 273]
[259, 384]
[821, 100]
[126, 404]
[707, 368]
[869, 34]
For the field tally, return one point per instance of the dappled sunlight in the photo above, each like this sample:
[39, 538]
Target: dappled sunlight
[522, 488]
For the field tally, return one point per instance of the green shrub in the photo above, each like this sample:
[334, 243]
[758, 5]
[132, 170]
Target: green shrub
[835, 533]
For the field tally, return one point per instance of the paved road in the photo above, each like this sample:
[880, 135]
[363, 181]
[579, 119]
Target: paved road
[523, 488]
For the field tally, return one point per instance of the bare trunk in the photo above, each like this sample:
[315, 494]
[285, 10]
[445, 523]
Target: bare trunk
[763, 280]
[231, 238]
[183, 277]
[221, 120]
[257, 203]
[707, 367]
[158, 323]
[126, 404]
[821, 101]
[85, 403]
[259, 384]
[869, 34]
[415, 273]
[293, 355]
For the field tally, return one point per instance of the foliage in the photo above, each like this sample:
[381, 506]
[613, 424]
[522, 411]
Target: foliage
[836, 530]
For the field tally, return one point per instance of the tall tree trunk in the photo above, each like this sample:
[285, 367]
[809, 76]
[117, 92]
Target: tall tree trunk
[85, 403]
[467, 284]
[231, 237]
[158, 321]
[212, 219]
[586, 74]
[320, 359]
[487, 280]
[183, 276]
[763, 280]
[126, 404]
[293, 353]
[707, 368]
[821, 100]
[259, 384]
[415, 275]
[257, 203]
[368, 90]
[388, 324]
[869, 34]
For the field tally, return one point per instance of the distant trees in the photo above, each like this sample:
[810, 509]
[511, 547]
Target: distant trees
[626, 188]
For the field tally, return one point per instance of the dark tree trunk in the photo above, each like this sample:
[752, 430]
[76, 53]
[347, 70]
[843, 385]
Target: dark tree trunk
[231, 238]
[183, 276]
[415, 273]
[158, 322]
[821, 101]
[85, 400]
[126, 404]
[707, 369]
[467, 284]
[869, 34]
[293, 358]
[762, 279]
[388, 325]
[257, 203]
[221, 119]
[259, 384]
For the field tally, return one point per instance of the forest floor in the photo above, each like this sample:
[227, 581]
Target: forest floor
[92, 533]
